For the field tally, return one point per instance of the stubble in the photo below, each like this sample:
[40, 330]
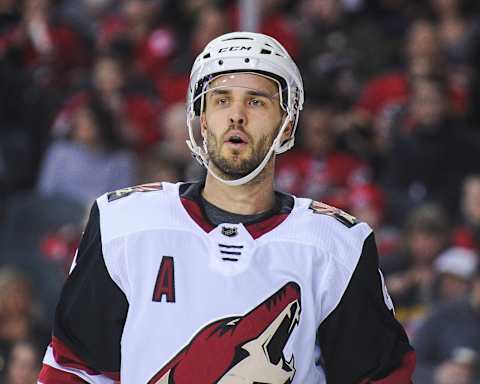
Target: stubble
[232, 166]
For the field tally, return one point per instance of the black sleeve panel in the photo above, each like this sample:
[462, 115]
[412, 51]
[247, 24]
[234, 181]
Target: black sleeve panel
[361, 339]
[92, 309]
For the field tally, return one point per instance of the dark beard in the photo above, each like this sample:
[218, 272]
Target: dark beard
[235, 170]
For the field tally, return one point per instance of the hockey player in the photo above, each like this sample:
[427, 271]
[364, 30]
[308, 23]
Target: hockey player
[228, 281]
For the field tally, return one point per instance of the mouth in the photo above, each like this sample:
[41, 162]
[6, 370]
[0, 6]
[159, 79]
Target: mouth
[279, 339]
[236, 138]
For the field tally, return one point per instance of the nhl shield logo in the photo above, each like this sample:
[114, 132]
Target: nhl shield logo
[229, 231]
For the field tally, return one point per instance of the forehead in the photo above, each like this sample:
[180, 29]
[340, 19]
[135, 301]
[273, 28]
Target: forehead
[245, 80]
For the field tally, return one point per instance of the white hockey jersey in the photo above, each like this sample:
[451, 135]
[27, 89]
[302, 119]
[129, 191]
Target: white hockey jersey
[159, 295]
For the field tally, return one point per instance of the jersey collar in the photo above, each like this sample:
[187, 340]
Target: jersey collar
[191, 200]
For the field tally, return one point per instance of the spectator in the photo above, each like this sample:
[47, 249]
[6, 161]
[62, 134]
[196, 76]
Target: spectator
[319, 170]
[28, 95]
[460, 369]
[59, 245]
[445, 334]
[422, 58]
[175, 132]
[92, 145]
[433, 151]
[453, 26]
[146, 32]
[161, 164]
[467, 234]
[175, 135]
[208, 21]
[455, 268]
[153, 45]
[19, 316]
[473, 114]
[335, 48]
[24, 364]
[367, 203]
[422, 55]
[135, 109]
[211, 22]
[393, 19]
[409, 273]
[45, 44]
[9, 15]
[87, 15]
[192, 21]
[456, 31]
[274, 22]
[385, 96]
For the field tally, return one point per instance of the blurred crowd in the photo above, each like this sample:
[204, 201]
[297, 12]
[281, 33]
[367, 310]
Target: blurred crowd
[92, 99]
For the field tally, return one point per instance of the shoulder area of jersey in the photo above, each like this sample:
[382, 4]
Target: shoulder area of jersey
[328, 228]
[334, 225]
[125, 192]
[320, 208]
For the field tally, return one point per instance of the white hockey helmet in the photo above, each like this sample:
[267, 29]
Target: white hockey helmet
[253, 53]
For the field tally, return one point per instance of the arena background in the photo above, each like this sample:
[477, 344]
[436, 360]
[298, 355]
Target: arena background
[92, 99]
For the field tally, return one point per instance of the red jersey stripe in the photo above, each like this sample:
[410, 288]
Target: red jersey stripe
[66, 357]
[401, 375]
[50, 375]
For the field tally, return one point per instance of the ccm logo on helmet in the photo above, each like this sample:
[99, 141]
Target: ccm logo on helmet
[235, 48]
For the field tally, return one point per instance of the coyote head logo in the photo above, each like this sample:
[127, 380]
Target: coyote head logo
[240, 350]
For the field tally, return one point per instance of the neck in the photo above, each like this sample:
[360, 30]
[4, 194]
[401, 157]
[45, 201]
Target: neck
[254, 197]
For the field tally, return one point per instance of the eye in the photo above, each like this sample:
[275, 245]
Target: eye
[256, 103]
[222, 101]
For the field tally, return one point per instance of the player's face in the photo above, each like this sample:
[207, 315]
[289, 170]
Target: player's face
[241, 119]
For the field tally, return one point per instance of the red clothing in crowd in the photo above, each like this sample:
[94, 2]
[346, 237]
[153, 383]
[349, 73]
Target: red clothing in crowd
[278, 27]
[274, 24]
[327, 179]
[152, 52]
[464, 237]
[172, 87]
[392, 89]
[141, 112]
[62, 47]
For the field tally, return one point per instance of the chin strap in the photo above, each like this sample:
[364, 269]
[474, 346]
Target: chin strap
[202, 157]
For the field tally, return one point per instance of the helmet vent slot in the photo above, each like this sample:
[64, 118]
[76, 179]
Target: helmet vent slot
[207, 56]
[238, 38]
[265, 51]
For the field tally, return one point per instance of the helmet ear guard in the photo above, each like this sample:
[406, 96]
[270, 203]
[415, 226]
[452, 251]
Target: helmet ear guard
[245, 52]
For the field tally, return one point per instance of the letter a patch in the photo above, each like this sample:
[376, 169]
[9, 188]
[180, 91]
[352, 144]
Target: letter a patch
[165, 284]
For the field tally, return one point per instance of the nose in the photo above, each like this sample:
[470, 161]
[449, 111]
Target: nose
[237, 114]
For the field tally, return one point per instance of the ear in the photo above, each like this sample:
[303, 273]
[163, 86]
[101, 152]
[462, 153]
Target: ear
[203, 125]
[288, 131]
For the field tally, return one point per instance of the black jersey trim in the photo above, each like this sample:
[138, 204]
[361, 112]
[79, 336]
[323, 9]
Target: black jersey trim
[361, 339]
[92, 310]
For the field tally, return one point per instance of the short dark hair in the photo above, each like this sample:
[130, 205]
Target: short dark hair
[428, 218]
[105, 122]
